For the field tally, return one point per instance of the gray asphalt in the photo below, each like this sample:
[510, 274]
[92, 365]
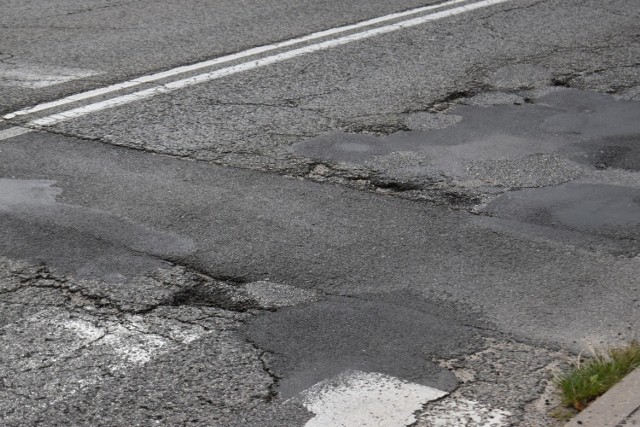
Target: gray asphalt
[122, 40]
[376, 87]
[120, 215]
[455, 204]
[247, 226]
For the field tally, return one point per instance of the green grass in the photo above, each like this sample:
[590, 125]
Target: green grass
[592, 378]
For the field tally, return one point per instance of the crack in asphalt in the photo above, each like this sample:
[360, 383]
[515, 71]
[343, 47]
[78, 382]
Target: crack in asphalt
[107, 330]
[275, 379]
[93, 9]
[215, 293]
[363, 180]
[294, 106]
[511, 9]
[5, 58]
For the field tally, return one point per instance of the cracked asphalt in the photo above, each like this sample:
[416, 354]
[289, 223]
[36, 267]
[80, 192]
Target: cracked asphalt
[455, 204]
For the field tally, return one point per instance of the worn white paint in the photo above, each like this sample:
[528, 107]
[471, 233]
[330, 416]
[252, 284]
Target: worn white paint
[84, 340]
[85, 331]
[359, 399]
[31, 76]
[228, 58]
[132, 341]
[13, 132]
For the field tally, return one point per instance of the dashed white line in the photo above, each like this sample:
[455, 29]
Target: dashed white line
[224, 59]
[257, 63]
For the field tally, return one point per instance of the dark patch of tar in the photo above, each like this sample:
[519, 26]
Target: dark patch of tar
[621, 152]
[583, 125]
[602, 210]
[310, 343]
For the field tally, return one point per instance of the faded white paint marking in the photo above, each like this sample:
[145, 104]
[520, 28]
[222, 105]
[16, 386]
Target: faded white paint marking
[356, 398]
[13, 132]
[86, 346]
[463, 413]
[228, 58]
[254, 64]
[84, 330]
[38, 76]
[131, 341]
[134, 347]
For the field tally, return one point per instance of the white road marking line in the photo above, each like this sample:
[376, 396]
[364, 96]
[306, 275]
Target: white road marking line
[217, 61]
[98, 106]
[258, 63]
[12, 132]
[356, 398]
[38, 76]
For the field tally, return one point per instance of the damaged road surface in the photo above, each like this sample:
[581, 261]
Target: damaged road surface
[185, 275]
[415, 220]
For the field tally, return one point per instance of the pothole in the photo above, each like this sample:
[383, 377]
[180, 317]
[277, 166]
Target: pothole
[215, 294]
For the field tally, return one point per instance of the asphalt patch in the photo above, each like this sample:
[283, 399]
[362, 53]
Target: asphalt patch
[608, 211]
[542, 139]
[313, 342]
[618, 152]
[87, 243]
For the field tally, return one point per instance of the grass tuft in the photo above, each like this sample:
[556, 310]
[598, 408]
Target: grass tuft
[590, 379]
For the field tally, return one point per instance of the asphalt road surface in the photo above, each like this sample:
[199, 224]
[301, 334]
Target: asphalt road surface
[313, 213]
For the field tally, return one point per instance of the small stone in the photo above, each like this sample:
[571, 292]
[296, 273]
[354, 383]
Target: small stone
[320, 170]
